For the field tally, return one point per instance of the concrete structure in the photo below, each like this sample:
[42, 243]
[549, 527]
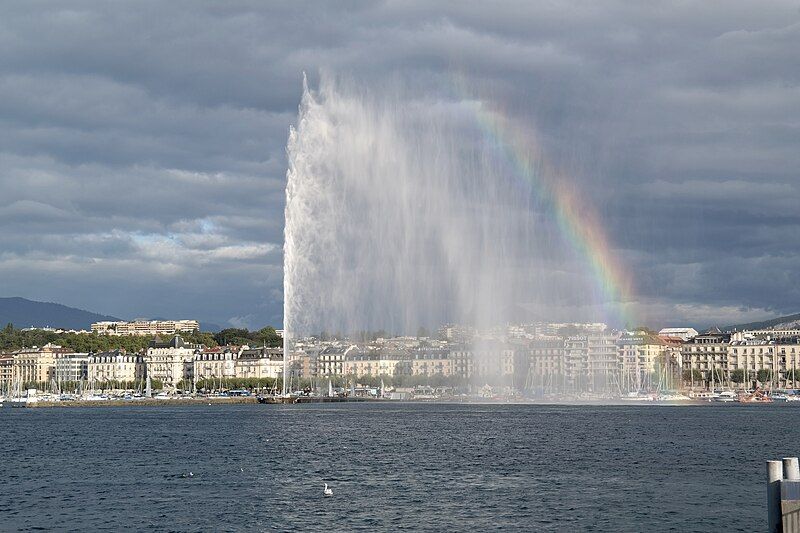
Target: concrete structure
[171, 362]
[684, 334]
[71, 367]
[116, 366]
[145, 327]
[591, 364]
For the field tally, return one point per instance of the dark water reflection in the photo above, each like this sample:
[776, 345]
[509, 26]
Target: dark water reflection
[416, 467]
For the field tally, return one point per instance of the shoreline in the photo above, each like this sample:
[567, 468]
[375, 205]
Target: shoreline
[253, 400]
[151, 402]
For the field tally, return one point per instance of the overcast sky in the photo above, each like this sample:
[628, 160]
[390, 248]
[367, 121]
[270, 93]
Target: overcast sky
[142, 145]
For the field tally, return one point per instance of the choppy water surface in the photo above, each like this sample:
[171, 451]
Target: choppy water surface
[392, 466]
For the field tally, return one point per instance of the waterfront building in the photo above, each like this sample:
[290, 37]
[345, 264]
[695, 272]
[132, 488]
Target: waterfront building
[488, 359]
[431, 363]
[330, 361]
[371, 364]
[648, 361]
[462, 363]
[304, 364]
[591, 363]
[6, 373]
[36, 365]
[546, 364]
[216, 363]
[788, 359]
[145, 327]
[775, 362]
[71, 367]
[171, 362]
[116, 366]
[707, 353]
[258, 363]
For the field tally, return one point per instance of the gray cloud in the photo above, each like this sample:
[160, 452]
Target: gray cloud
[142, 147]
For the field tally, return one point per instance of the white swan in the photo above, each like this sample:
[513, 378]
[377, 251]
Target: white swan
[326, 491]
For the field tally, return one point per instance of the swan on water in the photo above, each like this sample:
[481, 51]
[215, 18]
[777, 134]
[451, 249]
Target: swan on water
[326, 491]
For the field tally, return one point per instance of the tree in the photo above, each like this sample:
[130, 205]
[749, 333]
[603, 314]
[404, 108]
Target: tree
[423, 332]
[692, 375]
[764, 375]
[269, 336]
[737, 376]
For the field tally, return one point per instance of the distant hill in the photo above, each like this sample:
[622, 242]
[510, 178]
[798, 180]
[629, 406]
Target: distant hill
[27, 313]
[782, 322]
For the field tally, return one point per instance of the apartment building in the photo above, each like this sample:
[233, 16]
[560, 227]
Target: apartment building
[146, 327]
[116, 366]
[171, 362]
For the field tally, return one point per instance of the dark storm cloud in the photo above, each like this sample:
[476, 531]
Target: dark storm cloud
[142, 146]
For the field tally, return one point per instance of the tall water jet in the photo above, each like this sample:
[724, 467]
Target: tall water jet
[401, 212]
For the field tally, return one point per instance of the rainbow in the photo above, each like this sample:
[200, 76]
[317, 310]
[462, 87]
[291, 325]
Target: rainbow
[576, 219]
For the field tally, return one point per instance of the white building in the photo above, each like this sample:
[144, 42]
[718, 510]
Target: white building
[591, 363]
[71, 367]
[216, 363]
[172, 362]
[116, 366]
[145, 327]
[683, 334]
[258, 363]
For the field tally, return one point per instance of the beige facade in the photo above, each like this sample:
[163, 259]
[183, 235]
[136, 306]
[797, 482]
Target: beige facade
[259, 363]
[363, 366]
[116, 365]
[6, 373]
[708, 354]
[216, 363]
[36, 365]
[304, 365]
[546, 358]
[172, 362]
[432, 366]
[750, 356]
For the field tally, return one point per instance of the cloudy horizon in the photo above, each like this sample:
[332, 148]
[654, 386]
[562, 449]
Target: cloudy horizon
[143, 146]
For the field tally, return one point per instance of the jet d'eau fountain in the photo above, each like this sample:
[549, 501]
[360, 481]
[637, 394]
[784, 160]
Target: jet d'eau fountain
[406, 210]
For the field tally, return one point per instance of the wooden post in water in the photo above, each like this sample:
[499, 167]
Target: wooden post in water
[791, 469]
[774, 478]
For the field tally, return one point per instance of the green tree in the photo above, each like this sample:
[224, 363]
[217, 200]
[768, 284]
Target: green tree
[737, 376]
[764, 375]
[692, 375]
[269, 337]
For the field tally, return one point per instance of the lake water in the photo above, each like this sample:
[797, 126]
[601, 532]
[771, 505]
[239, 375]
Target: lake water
[416, 467]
